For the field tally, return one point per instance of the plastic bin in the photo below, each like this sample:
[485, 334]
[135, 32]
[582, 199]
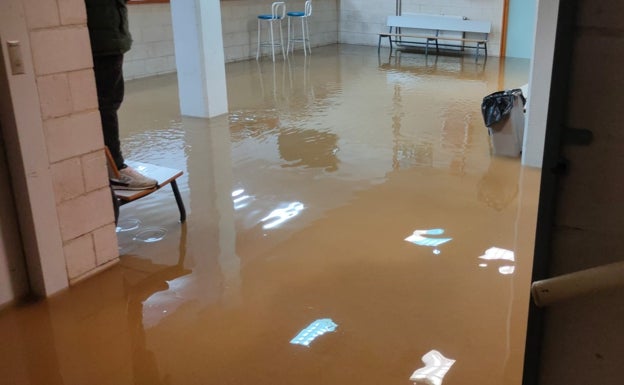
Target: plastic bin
[503, 114]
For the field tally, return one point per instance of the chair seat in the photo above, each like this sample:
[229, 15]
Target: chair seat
[268, 17]
[296, 14]
[163, 175]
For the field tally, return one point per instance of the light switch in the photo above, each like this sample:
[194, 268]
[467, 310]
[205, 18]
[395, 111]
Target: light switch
[15, 57]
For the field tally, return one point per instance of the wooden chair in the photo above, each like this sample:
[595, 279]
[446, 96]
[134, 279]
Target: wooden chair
[163, 175]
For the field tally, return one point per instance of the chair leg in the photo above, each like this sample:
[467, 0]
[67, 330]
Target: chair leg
[178, 198]
[115, 205]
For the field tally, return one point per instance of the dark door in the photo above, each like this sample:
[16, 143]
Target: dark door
[581, 210]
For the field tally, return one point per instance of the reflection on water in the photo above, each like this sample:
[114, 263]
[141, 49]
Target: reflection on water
[128, 224]
[150, 234]
[423, 238]
[297, 202]
[498, 254]
[436, 367]
[308, 148]
[314, 330]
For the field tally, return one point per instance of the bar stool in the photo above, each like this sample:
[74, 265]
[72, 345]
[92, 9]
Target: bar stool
[278, 12]
[305, 29]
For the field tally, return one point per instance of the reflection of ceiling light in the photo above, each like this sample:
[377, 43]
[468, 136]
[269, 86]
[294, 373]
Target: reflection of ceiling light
[282, 215]
[506, 270]
[242, 202]
[494, 253]
[315, 329]
[418, 239]
[436, 367]
[498, 254]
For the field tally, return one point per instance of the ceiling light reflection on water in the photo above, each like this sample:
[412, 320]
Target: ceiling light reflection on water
[419, 239]
[436, 367]
[498, 254]
[240, 199]
[281, 215]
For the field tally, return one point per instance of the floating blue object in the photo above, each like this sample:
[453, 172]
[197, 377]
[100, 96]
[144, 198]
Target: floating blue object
[315, 329]
[418, 239]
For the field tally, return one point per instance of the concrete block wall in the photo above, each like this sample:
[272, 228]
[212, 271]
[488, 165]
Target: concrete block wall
[152, 50]
[240, 25]
[153, 53]
[362, 20]
[333, 21]
[69, 110]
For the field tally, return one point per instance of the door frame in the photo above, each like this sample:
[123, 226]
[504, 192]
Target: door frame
[551, 168]
[27, 158]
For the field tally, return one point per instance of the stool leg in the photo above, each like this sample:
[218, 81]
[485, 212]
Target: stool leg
[303, 36]
[289, 36]
[258, 51]
[308, 34]
[282, 39]
[272, 41]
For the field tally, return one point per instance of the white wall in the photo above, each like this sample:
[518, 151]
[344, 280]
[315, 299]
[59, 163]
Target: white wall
[362, 20]
[152, 51]
[240, 25]
[521, 28]
[152, 47]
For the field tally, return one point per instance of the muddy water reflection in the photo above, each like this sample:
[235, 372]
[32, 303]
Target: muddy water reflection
[350, 155]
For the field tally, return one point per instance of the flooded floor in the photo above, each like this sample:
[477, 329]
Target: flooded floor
[347, 224]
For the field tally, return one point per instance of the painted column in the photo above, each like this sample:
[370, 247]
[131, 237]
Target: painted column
[199, 55]
[539, 83]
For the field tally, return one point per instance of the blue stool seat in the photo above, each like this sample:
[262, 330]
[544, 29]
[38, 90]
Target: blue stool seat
[296, 14]
[268, 17]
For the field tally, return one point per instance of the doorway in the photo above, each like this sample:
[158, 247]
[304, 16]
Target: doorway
[13, 278]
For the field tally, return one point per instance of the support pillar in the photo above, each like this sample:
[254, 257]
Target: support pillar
[199, 55]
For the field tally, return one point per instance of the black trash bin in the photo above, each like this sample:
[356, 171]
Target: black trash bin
[503, 115]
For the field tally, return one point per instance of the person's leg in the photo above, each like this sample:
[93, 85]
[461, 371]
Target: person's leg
[110, 89]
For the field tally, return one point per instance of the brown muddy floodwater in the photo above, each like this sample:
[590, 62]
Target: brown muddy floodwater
[343, 188]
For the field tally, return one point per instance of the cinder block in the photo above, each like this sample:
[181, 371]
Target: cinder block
[94, 171]
[54, 96]
[79, 256]
[63, 49]
[74, 135]
[83, 90]
[156, 33]
[157, 65]
[67, 179]
[41, 13]
[86, 213]
[134, 69]
[72, 12]
[105, 240]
